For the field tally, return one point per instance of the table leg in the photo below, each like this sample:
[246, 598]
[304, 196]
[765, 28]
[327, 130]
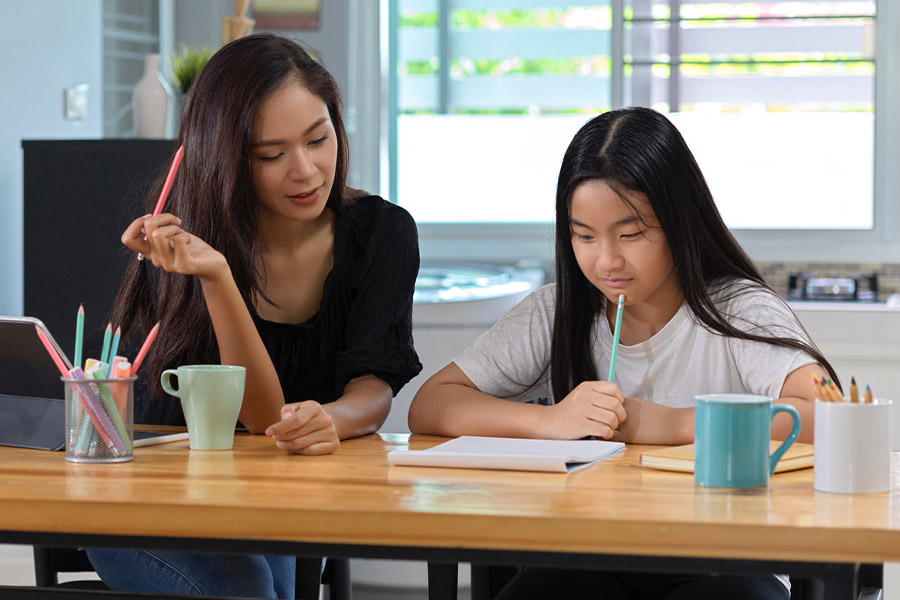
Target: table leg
[442, 579]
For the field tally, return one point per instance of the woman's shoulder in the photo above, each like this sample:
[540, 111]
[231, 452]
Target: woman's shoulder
[373, 213]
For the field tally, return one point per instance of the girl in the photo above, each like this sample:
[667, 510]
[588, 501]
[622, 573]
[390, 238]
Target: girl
[266, 259]
[634, 216]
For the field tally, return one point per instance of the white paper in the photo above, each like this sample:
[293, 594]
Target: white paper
[474, 452]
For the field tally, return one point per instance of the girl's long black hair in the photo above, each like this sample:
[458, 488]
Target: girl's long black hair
[639, 150]
[214, 196]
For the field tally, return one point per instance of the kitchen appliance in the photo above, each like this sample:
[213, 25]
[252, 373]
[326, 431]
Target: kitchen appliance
[807, 286]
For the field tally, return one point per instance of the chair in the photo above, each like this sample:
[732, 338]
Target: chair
[50, 561]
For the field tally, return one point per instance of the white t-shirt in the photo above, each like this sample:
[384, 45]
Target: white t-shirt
[681, 361]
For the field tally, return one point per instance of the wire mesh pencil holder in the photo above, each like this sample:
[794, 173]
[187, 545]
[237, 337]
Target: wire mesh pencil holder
[100, 420]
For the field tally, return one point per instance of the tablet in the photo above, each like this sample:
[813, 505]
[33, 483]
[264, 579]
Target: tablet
[32, 404]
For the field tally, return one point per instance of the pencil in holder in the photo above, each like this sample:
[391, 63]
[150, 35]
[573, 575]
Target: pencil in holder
[99, 420]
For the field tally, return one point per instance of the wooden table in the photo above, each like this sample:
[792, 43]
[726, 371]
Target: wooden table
[614, 514]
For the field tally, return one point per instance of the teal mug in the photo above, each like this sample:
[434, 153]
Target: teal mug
[731, 439]
[211, 397]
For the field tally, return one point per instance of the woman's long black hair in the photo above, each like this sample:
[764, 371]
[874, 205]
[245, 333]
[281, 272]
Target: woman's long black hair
[214, 196]
[639, 150]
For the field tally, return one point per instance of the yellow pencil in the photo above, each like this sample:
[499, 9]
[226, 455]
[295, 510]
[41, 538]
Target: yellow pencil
[854, 391]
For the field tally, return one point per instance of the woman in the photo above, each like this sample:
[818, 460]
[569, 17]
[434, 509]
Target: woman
[265, 258]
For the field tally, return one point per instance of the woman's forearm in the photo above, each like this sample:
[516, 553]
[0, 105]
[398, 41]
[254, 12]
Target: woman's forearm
[363, 407]
[239, 344]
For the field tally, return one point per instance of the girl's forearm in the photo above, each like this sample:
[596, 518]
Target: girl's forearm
[239, 344]
[454, 409]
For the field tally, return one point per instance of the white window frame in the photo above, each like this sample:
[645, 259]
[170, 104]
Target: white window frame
[511, 242]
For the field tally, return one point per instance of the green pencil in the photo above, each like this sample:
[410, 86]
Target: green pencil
[79, 335]
[616, 332]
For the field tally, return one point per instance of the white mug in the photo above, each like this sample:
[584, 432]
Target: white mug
[853, 447]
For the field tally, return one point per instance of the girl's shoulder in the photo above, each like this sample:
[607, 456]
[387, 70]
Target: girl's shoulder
[738, 297]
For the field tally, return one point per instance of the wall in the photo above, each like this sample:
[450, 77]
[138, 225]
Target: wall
[34, 65]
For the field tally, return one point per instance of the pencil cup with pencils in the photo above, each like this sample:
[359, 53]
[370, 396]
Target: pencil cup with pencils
[99, 419]
[853, 446]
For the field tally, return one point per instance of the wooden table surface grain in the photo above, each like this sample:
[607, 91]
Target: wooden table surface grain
[258, 492]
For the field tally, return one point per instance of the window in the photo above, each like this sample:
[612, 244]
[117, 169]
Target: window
[776, 99]
[130, 32]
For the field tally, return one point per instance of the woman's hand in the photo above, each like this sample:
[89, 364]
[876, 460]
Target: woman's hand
[161, 240]
[593, 408]
[305, 428]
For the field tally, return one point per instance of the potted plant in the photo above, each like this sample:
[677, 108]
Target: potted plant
[187, 62]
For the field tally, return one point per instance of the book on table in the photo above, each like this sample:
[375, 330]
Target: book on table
[476, 452]
[681, 458]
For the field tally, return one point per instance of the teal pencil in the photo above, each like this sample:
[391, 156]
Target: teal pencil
[616, 332]
[76, 413]
[79, 335]
[112, 352]
[104, 355]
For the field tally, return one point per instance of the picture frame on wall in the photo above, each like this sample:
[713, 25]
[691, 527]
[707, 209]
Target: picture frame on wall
[287, 14]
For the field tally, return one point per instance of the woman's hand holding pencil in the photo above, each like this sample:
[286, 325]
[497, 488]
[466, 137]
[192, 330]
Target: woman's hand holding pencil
[167, 187]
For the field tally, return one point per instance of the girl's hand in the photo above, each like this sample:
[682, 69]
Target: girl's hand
[305, 428]
[161, 240]
[593, 408]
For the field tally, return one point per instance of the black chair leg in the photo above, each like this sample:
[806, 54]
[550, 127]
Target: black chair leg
[309, 578]
[44, 574]
[337, 576]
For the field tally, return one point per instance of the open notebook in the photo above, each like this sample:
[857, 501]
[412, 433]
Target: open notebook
[472, 452]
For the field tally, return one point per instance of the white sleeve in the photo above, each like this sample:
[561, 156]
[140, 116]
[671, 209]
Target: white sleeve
[764, 367]
[513, 357]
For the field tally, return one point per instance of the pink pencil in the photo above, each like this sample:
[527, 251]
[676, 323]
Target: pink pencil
[53, 353]
[167, 186]
[143, 351]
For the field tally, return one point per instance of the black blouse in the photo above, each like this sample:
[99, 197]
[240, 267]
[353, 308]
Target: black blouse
[364, 322]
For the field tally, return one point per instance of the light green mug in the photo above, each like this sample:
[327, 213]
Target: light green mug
[211, 397]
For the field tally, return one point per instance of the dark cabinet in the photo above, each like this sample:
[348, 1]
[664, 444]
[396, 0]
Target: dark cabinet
[79, 195]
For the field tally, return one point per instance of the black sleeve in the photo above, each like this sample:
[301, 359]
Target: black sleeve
[379, 324]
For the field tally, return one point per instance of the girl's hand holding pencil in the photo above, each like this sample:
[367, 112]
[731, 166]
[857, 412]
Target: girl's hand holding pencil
[593, 408]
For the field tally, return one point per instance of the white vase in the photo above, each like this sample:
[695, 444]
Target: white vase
[150, 101]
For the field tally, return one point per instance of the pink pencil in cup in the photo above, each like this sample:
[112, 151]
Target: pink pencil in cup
[144, 348]
[167, 186]
[86, 397]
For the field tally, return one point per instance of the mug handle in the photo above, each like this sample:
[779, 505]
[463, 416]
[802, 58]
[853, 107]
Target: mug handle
[795, 431]
[167, 386]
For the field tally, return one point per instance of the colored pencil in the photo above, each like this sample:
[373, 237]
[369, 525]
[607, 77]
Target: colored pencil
[107, 338]
[170, 178]
[95, 411]
[79, 334]
[114, 348]
[615, 344]
[52, 352]
[868, 395]
[854, 391]
[144, 348]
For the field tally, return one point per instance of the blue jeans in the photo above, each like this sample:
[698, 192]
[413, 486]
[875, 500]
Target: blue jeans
[188, 573]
